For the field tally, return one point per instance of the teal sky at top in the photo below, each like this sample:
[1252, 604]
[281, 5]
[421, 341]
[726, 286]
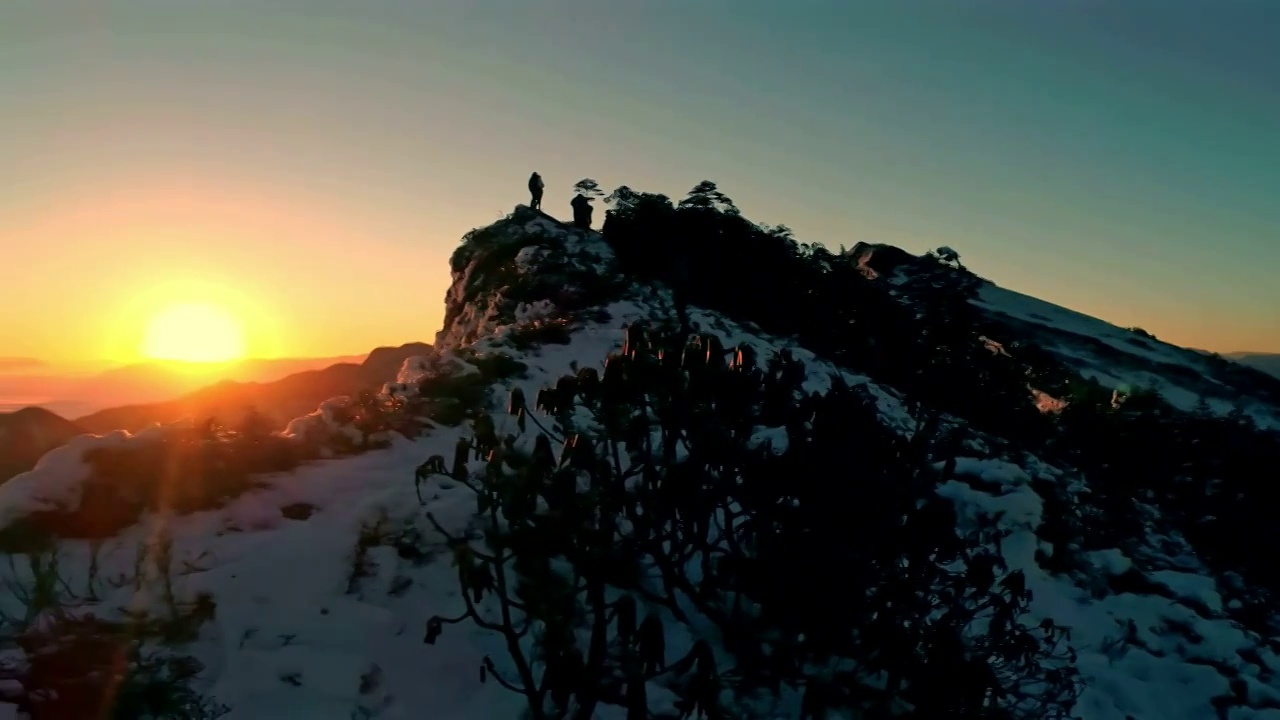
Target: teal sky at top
[1120, 158]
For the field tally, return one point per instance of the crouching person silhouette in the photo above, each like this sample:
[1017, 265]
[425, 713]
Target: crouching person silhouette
[535, 191]
[582, 211]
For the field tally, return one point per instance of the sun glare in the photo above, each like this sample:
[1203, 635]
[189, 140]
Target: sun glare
[194, 333]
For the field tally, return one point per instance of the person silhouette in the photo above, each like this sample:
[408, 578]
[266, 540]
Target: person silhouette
[581, 205]
[535, 191]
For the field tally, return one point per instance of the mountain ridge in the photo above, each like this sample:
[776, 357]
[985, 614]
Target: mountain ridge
[1266, 362]
[226, 401]
[65, 391]
[27, 434]
[1167, 618]
[1087, 344]
[280, 399]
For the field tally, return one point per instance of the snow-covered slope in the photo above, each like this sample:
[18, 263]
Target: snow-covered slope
[324, 577]
[1118, 358]
[1126, 359]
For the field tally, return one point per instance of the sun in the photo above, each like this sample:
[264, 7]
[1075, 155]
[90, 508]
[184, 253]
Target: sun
[194, 332]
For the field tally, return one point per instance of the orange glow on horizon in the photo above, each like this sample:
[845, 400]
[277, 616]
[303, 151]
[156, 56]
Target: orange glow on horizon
[287, 269]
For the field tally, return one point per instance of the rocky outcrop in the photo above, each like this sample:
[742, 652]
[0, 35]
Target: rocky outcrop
[876, 260]
[523, 269]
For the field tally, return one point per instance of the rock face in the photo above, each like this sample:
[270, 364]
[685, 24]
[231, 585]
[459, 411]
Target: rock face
[521, 270]
[383, 362]
[875, 260]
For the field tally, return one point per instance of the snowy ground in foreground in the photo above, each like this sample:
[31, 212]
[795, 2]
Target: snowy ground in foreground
[295, 637]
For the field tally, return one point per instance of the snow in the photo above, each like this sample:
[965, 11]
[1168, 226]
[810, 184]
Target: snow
[57, 478]
[282, 605]
[413, 368]
[1120, 358]
[298, 634]
[1110, 562]
[1191, 587]
[1034, 310]
[322, 425]
[1165, 674]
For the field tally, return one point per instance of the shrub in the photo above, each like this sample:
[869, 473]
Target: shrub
[594, 552]
[496, 366]
[183, 472]
[74, 664]
[449, 398]
[1154, 471]
[540, 332]
[380, 531]
[373, 414]
[87, 667]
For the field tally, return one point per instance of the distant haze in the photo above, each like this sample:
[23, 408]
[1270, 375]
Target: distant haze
[17, 364]
[1266, 362]
[74, 394]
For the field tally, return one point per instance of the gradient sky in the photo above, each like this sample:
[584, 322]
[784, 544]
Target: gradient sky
[311, 164]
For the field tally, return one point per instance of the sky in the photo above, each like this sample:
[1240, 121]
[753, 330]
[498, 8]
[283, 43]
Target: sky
[309, 165]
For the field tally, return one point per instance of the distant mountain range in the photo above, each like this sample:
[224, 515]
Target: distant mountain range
[71, 393]
[27, 434]
[1266, 362]
[281, 400]
[11, 364]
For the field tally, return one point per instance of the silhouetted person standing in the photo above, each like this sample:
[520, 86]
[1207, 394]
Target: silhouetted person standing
[582, 211]
[535, 191]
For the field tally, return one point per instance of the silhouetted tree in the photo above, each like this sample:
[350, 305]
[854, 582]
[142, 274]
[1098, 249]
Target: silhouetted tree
[588, 187]
[707, 196]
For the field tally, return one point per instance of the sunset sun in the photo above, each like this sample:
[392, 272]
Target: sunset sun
[194, 333]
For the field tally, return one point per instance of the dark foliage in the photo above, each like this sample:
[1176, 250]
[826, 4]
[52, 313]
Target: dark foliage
[499, 366]
[543, 332]
[450, 397]
[920, 336]
[60, 661]
[851, 569]
[201, 468]
[93, 668]
[373, 414]
[1199, 475]
[182, 472]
